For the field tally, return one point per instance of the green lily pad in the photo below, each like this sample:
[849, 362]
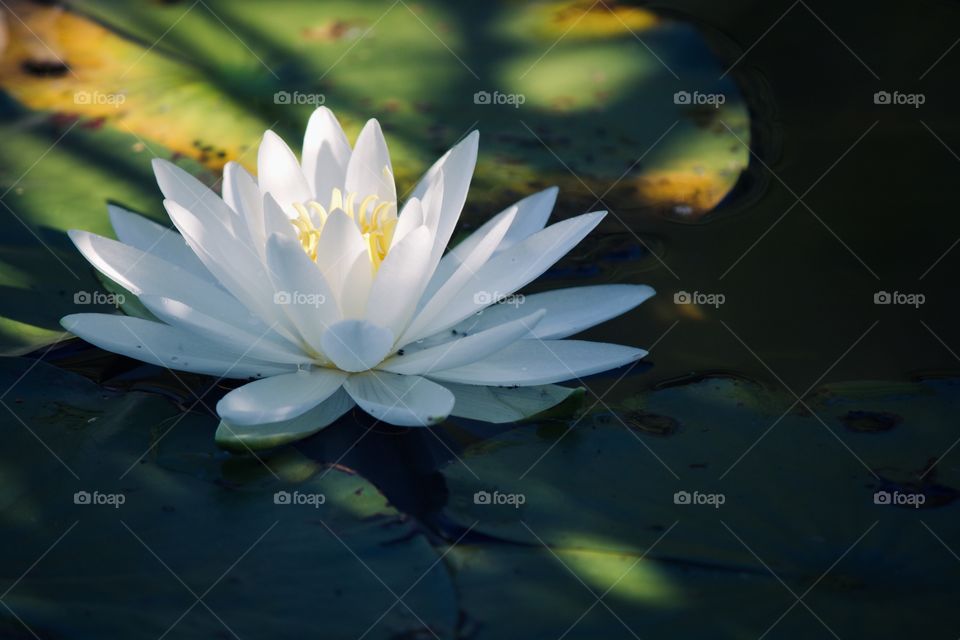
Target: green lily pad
[525, 592]
[199, 84]
[743, 488]
[138, 514]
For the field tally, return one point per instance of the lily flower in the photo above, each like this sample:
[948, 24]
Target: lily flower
[309, 283]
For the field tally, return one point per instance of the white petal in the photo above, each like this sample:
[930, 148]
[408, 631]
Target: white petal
[506, 404]
[406, 401]
[506, 272]
[242, 438]
[139, 232]
[275, 221]
[241, 193]
[356, 288]
[356, 345]
[409, 219]
[280, 175]
[462, 351]
[166, 346]
[531, 216]
[143, 273]
[340, 244]
[326, 153]
[300, 289]
[400, 281]
[235, 265]
[279, 398]
[529, 362]
[454, 170]
[369, 171]
[569, 311]
[268, 346]
[472, 262]
[181, 187]
[457, 164]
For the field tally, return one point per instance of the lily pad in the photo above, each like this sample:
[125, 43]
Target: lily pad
[524, 592]
[132, 514]
[200, 82]
[743, 483]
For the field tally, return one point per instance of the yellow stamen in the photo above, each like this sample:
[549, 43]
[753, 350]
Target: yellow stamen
[376, 219]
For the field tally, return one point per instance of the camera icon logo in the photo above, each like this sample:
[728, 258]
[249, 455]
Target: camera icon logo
[682, 297]
[281, 97]
[681, 497]
[882, 97]
[881, 497]
[282, 297]
[682, 97]
[481, 97]
[281, 497]
[81, 497]
[483, 297]
[82, 297]
[882, 297]
[481, 497]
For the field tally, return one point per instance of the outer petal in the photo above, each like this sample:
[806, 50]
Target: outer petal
[236, 266]
[506, 404]
[278, 398]
[462, 351]
[356, 345]
[505, 273]
[569, 311]
[280, 175]
[326, 153]
[241, 193]
[529, 362]
[181, 187]
[369, 171]
[454, 171]
[267, 347]
[242, 438]
[406, 401]
[531, 216]
[472, 262]
[137, 231]
[142, 273]
[166, 346]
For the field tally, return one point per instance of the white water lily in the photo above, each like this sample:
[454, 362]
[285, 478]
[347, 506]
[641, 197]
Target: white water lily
[308, 281]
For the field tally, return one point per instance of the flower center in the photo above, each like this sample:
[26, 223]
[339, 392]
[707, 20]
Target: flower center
[376, 219]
